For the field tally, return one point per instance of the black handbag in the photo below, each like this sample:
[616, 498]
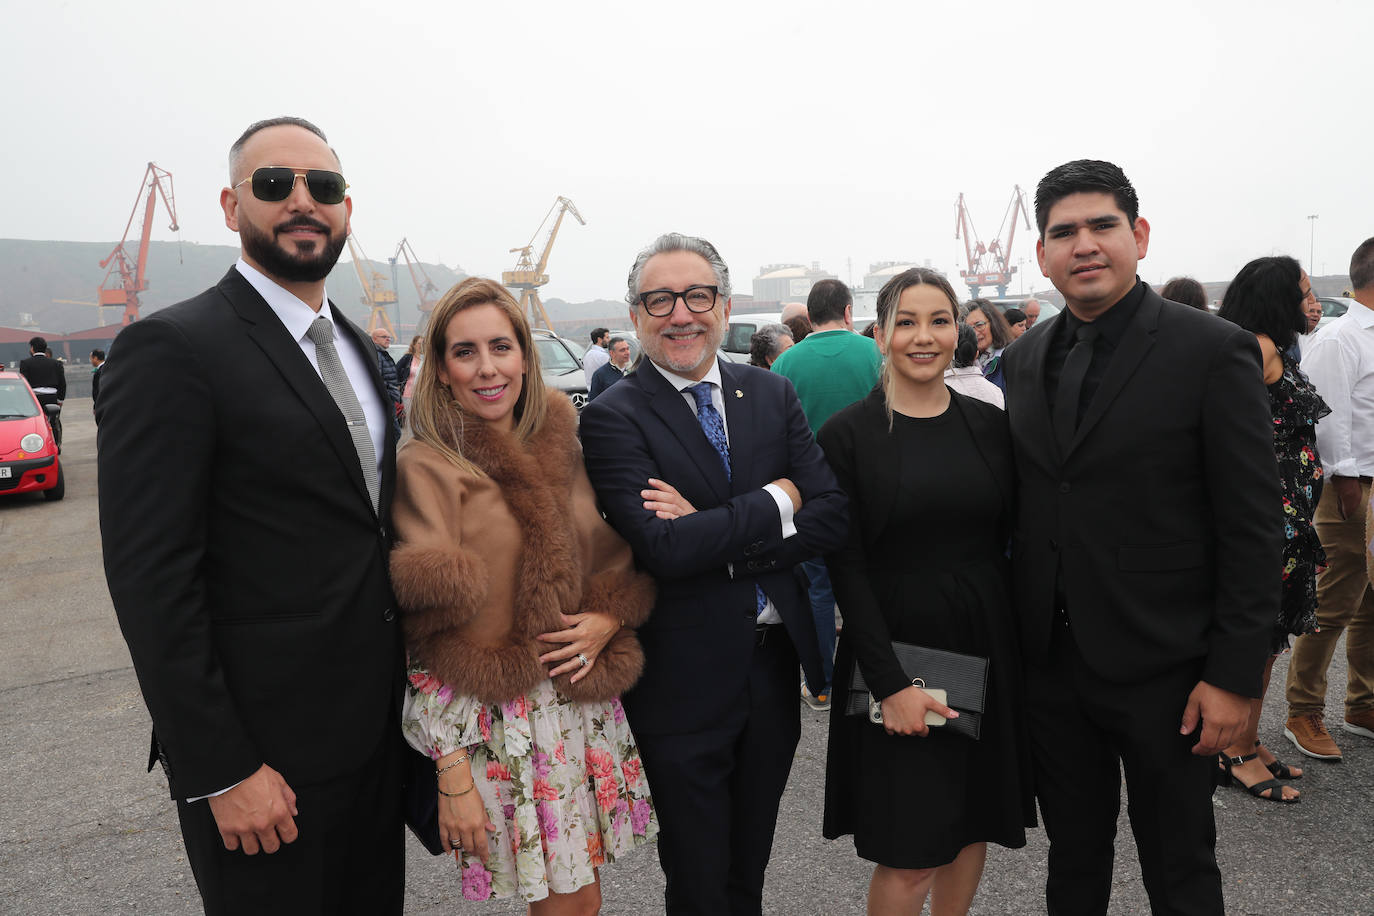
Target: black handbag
[963, 677]
[421, 800]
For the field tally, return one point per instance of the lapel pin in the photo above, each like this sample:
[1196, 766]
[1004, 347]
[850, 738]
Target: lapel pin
[738, 393]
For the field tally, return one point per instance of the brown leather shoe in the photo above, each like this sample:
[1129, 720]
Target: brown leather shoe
[1309, 735]
[1360, 723]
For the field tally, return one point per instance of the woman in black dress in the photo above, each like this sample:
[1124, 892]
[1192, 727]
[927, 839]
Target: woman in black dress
[926, 472]
[1269, 297]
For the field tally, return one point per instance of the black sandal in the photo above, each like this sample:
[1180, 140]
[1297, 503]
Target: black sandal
[1272, 786]
[1278, 767]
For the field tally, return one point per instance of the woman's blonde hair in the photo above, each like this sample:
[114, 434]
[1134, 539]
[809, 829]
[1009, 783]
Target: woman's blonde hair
[435, 417]
[888, 297]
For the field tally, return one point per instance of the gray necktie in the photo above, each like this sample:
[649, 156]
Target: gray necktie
[336, 380]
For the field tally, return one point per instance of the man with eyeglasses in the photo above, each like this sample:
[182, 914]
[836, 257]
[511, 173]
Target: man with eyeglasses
[244, 486]
[709, 470]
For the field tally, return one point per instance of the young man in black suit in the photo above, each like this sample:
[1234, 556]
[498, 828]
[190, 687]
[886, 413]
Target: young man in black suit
[1146, 556]
[246, 461]
[709, 471]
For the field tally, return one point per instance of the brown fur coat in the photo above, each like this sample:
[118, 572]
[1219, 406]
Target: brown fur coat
[483, 565]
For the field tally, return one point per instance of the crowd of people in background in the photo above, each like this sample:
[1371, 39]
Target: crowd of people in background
[1008, 556]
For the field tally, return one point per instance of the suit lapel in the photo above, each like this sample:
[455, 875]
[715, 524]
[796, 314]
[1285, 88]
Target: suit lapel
[1032, 378]
[266, 330]
[1135, 343]
[741, 423]
[670, 406]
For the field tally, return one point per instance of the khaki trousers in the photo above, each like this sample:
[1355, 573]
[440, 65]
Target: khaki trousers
[1345, 603]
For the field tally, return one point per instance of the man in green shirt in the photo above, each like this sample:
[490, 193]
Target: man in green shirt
[831, 369]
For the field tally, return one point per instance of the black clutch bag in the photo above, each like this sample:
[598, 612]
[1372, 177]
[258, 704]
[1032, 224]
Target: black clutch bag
[963, 677]
[421, 799]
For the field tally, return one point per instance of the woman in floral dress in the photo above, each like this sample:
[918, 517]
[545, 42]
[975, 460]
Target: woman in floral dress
[1269, 297]
[518, 605]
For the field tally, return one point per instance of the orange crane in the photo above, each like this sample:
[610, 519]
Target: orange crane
[529, 276]
[376, 295]
[427, 291]
[990, 265]
[132, 271]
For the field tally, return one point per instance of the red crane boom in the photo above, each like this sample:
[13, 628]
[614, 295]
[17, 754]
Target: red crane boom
[133, 272]
[990, 265]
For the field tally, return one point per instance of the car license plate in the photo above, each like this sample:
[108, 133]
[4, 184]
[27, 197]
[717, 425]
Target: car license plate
[5, 472]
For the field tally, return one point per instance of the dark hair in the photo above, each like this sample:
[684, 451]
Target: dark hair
[1079, 176]
[1266, 298]
[38, 344]
[827, 301]
[966, 350]
[598, 333]
[236, 150]
[800, 326]
[1185, 291]
[610, 344]
[99, 354]
[997, 325]
[1362, 266]
[870, 330]
[766, 344]
[1014, 316]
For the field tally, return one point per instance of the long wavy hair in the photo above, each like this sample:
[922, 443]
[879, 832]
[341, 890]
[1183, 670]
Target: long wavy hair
[436, 419]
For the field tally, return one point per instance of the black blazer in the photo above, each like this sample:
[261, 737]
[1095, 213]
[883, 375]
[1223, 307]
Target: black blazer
[863, 452]
[699, 640]
[1165, 515]
[246, 564]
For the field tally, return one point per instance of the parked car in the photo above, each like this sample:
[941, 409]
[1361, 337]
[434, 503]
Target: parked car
[1333, 307]
[28, 455]
[742, 327]
[561, 366]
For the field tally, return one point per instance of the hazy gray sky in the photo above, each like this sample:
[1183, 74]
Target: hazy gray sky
[793, 131]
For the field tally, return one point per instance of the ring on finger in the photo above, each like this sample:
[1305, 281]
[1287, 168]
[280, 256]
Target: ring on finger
[583, 659]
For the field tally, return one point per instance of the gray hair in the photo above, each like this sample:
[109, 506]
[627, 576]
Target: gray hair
[676, 241]
[767, 341]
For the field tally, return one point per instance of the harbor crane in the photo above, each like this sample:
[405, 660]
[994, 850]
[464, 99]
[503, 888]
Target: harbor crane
[376, 295]
[127, 275]
[990, 265]
[425, 289]
[528, 276]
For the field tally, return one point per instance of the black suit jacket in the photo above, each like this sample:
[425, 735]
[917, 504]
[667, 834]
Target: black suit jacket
[246, 564]
[699, 640]
[45, 372]
[1164, 517]
[604, 377]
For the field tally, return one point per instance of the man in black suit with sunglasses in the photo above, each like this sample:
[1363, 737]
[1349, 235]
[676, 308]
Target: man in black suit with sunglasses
[244, 485]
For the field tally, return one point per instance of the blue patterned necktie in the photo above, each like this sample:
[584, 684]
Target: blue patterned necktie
[714, 428]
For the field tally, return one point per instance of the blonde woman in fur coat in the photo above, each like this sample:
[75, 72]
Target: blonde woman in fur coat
[519, 606]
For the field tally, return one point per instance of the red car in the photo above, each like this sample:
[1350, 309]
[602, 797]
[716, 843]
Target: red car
[28, 456]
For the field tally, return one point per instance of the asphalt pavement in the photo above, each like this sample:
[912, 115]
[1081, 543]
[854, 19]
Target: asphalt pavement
[83, 829]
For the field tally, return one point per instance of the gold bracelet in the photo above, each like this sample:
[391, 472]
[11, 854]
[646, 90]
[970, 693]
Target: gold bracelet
[451, 765]
[471, 786]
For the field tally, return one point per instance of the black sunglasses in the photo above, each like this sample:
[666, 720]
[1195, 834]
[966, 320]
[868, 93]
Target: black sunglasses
[273, 183]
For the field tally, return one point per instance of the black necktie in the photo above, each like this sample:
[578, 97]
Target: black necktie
[1071, 386]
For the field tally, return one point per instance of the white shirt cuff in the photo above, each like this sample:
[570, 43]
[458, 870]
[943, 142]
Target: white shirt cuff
[784, 509]
[214, 794]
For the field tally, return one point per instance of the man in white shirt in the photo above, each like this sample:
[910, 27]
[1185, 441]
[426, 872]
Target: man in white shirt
[1340, 362]
[244, 485]
[597, 354]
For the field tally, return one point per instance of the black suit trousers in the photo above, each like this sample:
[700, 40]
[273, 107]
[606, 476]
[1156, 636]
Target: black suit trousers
[349, 857]
[1083, 729]
[717, 791]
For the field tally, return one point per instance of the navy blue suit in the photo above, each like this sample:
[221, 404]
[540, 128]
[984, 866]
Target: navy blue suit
[716, 712]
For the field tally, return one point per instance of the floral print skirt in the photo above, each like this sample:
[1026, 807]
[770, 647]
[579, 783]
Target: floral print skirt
[562, 782]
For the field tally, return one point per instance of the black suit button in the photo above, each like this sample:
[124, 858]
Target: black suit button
[753, 548]
[752, 566]
[1054, 545]
[389, 615]
[1064, 488]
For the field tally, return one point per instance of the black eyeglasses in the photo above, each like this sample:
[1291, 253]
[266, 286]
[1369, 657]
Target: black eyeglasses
[661, 302]
[273, 183]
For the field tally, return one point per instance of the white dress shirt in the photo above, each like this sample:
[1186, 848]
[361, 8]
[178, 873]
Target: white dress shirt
[785, 509]
[1339, 361]
[969, 381]
[595, 357]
